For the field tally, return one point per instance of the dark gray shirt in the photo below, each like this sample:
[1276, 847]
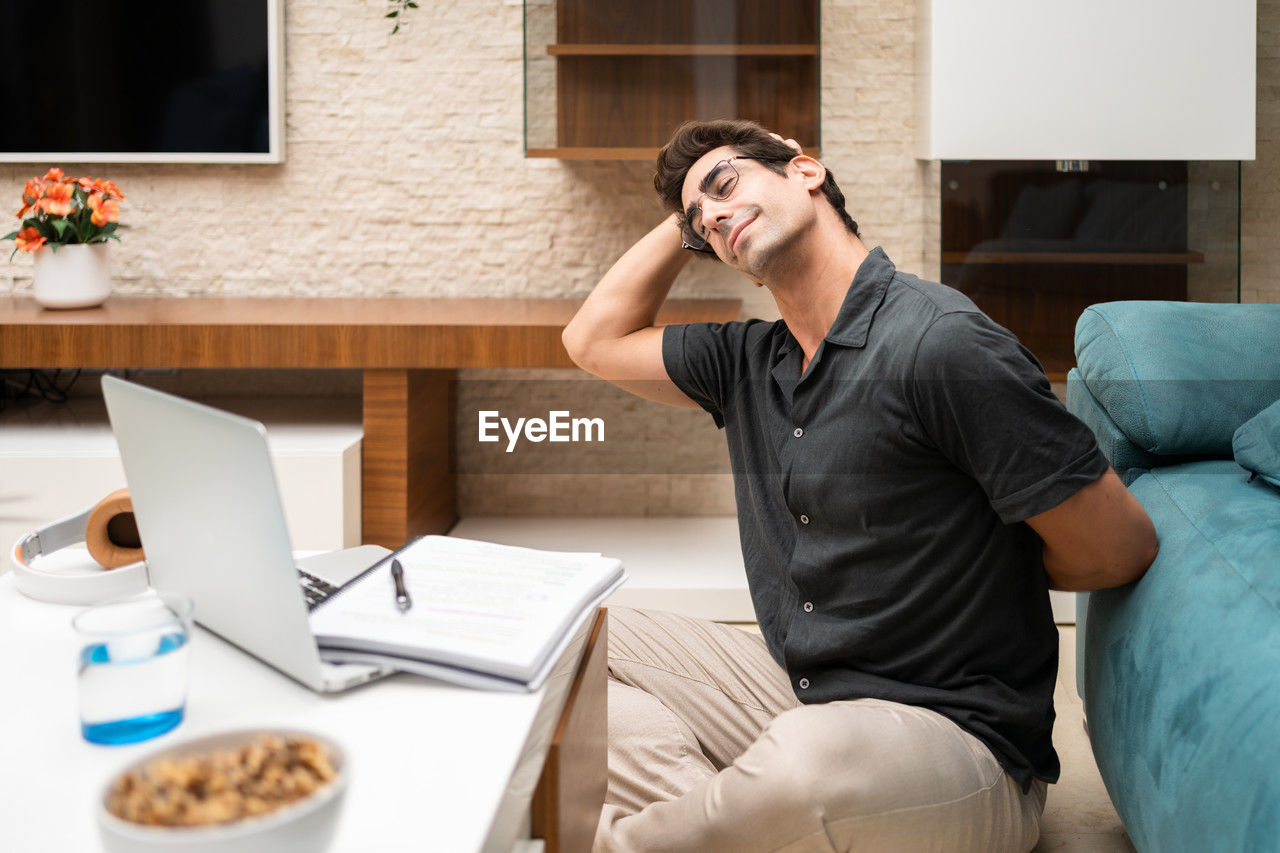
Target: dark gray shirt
[882, 497]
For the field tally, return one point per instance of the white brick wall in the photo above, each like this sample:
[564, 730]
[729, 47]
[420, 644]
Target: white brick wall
[1260, 179]
[405, 175]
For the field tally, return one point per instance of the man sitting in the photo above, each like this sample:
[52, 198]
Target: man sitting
[908, 489]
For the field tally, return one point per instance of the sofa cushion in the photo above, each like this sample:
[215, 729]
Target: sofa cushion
[1180, 691]
[1179, 378]
[1257, 444]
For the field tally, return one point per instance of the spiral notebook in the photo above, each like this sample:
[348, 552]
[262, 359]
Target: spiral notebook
[483, 615]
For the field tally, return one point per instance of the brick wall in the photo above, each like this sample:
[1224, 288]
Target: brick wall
[405, 175]
[1260, 179]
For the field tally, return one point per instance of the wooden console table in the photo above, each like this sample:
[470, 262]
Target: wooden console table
[407, 348]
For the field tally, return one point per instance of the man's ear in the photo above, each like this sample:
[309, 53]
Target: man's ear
[814, 172]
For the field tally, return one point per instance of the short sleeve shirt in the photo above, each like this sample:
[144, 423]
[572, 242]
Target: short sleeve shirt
[882, 498]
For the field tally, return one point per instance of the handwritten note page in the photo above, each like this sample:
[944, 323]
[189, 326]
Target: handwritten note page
[473, 602]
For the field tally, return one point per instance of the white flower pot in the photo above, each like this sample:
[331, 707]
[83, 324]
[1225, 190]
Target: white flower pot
[75, 276]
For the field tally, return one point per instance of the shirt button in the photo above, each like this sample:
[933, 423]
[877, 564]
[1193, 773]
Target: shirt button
[804, 519]
[808, 607]
[799, 432]
[804, 684]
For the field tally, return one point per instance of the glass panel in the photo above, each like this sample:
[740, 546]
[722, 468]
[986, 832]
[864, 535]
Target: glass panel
[1034, 243]
[613, 80]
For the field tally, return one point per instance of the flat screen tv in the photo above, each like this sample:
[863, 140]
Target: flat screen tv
[142, 81]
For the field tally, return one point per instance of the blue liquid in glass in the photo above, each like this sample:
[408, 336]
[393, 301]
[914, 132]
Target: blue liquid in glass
[133, 699]
[132, 730]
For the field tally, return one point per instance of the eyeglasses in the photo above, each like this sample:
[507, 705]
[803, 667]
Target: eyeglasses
[718, 185]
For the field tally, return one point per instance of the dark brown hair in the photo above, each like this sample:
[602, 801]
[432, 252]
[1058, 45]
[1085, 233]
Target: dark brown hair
[695, 138]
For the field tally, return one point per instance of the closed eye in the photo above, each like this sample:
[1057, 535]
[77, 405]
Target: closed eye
[717, 178]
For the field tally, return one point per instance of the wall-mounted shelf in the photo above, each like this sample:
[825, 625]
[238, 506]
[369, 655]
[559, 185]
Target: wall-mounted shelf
[614, 80]
[646, 154]
[1158, 258]
[407, 348]
[682, 49]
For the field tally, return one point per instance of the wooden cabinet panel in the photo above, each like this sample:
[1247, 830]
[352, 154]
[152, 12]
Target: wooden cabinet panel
[637, 101]
[627, 74]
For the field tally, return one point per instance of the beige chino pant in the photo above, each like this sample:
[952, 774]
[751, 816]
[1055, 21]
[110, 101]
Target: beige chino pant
[709, 750]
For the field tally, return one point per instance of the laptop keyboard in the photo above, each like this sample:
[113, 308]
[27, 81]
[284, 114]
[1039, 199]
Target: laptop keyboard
[314, 589]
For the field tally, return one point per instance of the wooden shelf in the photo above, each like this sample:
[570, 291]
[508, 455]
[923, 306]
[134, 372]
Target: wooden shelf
[1166, 258]
[288, 332]
[626, 75]
[594, 153]
[682, 49]
[408, 349]
[647, 154]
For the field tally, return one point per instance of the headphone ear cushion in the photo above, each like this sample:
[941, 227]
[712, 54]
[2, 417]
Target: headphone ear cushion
[111, 534]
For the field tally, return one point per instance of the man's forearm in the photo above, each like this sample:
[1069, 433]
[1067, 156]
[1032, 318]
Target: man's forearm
[629, 295]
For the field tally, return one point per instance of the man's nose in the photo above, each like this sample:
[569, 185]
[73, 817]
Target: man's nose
[714, 212]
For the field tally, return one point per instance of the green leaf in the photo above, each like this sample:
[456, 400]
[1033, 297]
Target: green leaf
[109, 229]
[413, 5]
[393, 14]
[10, 235]
[60, 227]
[395, 29]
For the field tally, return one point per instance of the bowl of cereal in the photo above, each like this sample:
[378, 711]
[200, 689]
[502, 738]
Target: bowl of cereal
[245, 790]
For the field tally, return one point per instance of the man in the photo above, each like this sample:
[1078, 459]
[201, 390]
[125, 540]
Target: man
[908, 488]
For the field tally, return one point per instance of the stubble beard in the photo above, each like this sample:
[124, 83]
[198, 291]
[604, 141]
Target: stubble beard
[766, 254]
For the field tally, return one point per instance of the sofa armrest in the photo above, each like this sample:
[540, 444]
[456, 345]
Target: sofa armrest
[1122, 453]
[1178, 378]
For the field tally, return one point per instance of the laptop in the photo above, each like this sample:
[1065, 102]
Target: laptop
[209, 514]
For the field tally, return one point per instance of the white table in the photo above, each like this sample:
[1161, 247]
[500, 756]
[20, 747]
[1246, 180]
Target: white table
[433, 767]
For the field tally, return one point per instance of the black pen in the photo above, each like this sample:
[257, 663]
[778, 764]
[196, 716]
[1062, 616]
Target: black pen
[403, 602]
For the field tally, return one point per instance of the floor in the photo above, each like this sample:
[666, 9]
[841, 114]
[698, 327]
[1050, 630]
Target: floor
[1078, 816]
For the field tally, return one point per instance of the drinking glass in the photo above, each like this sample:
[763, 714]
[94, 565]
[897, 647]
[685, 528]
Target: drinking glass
[133, 667]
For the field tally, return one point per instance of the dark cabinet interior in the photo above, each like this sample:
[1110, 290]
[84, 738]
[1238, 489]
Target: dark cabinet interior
[1034, 246]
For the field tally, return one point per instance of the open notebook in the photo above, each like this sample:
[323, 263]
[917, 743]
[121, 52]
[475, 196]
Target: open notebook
[483, 615]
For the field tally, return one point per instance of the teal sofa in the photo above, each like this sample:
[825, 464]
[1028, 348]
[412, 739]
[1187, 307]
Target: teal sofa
[1180, 672]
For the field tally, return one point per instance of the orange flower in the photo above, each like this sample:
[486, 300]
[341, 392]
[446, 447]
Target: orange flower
[54, 174]
[28, 240]
[30, 193]
[97, 185]
[104, 210]
[110, 188]
[57, 199]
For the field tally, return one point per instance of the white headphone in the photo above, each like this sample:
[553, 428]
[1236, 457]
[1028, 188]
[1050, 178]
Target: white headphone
[110, 533]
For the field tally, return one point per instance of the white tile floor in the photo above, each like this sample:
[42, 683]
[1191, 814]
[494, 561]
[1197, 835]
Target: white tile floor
[1078, 816]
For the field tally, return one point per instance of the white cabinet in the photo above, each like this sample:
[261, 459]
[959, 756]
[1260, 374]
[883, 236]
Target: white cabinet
[59, 460]
[1089, 80]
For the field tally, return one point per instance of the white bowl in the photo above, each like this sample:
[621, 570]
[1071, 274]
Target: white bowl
[305, 826]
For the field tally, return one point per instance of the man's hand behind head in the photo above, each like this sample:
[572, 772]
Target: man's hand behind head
[790, 142]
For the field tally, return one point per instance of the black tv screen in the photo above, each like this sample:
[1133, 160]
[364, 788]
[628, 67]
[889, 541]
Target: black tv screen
[141, 80]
